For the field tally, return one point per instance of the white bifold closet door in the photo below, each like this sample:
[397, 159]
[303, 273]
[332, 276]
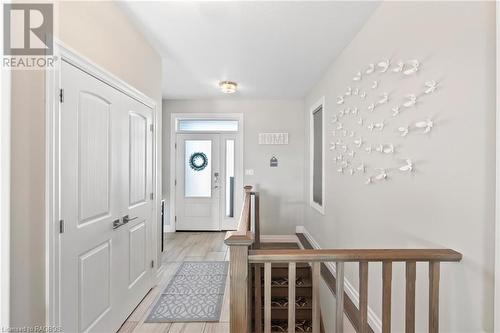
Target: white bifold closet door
[105, 186]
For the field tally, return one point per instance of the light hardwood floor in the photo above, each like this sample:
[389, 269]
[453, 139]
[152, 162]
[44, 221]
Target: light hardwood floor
[179, 247]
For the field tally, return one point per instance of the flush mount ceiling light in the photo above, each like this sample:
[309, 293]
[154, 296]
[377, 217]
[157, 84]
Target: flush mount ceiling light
[228, 87]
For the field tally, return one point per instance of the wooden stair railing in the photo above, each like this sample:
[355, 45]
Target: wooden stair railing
[239, 242]
[244, 252]
[364, 256]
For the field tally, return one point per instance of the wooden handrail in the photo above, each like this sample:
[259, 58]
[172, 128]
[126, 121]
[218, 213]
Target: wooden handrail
[354, 255]
[242, 235]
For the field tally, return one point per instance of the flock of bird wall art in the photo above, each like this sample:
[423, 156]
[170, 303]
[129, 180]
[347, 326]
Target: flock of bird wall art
[368, 108]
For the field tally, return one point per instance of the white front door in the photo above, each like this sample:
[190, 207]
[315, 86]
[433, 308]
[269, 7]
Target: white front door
[198, 182]
[105, 174]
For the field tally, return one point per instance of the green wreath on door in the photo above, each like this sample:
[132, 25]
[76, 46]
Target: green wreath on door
[198, 161]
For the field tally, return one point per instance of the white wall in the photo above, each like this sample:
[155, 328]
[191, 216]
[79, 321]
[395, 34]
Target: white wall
[281, 188]
[101, 32]
[449, 200]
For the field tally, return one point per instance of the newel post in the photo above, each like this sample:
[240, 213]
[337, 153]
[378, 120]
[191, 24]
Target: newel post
[239, 297]
[239, 243]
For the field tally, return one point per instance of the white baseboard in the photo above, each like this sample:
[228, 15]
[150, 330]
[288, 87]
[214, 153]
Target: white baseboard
[374, 321]
[169, 228]
[279, 239]
[299, 229]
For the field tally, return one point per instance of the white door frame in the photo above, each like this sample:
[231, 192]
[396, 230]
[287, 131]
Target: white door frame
[174, 117]
[5, 93]
[496, 306]
[52, 109]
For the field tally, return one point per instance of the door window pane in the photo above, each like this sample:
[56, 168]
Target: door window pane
[201, 125]
[229, 178]
[317, 191]
[198, 168]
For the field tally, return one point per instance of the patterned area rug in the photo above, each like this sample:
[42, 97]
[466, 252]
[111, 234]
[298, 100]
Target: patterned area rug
[195, 293]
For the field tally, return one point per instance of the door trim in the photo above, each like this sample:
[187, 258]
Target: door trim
[174, 117]
[496, 305]
[52, 110]
[5, 92]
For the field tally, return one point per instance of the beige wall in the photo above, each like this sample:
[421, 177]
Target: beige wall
[101, 32]
[282, 187]
[449, 200]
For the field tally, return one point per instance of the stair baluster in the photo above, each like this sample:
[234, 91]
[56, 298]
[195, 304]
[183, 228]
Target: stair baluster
[363, 297]
[339, 294]
[386, 296]
[316, 275]
[410, 297]
[433, 296]
[267, 297]
[291, 296]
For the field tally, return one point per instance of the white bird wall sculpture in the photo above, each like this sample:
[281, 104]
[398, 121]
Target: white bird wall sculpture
[411, 100]
[382, 175]
[384, 98]
[370, 69]
[383, 66]
[408, 167]
[395, 110]
[399, 67]
[386, 148]
[353, 147]
[426, 125]
[412, 67]
[361, 168]
[403, 130]
[358, 142]
[430, 87]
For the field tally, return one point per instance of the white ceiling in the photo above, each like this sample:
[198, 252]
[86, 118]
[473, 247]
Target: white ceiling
[271, 49]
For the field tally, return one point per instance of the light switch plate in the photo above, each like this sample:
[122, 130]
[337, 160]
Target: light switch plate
[248, 172]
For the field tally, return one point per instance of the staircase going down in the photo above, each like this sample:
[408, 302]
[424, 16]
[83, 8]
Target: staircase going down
[279, 294]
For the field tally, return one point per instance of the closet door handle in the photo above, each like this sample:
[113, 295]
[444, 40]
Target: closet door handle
[127, 219]
[117, 224]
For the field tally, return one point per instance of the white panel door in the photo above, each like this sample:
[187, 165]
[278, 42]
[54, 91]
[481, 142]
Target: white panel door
[89, 177]
[198, 181]
[106, 176]
[134, 235]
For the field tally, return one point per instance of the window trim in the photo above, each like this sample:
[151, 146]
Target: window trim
[314, 107]
[179, 130]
